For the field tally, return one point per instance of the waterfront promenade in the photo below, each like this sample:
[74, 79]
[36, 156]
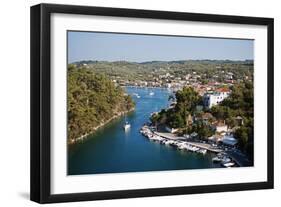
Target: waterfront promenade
[206, 146]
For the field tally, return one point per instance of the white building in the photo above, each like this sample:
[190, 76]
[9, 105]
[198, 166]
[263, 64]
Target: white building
[221, 128]
[214, 98]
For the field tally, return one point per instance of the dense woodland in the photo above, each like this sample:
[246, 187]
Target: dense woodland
[93, 99]
[240, 103]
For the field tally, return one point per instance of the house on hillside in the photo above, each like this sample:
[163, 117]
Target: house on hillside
[220, 127]
[239, 121]
[215, 97]
[205, 117]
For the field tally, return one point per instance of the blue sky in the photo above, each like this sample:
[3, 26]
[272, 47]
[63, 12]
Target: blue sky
[140, 48]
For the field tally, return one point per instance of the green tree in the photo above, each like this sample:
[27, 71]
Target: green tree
[187, 100]
[242, 135]
[176, 120]
[204, 130]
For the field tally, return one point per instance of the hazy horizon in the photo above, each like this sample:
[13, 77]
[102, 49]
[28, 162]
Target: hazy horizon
[160, 60]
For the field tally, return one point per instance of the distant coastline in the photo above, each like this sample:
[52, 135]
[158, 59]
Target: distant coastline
[81, 62]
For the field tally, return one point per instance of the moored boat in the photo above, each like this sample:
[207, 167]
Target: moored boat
[217, 159]
[229, 164]
[202, 151]
[127, 126]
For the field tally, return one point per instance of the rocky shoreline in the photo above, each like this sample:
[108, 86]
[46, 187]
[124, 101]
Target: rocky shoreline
[119, 114]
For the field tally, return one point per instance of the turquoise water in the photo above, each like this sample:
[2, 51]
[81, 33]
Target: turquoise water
[112, 150]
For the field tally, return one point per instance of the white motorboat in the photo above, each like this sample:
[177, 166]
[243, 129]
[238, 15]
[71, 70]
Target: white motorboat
[136, 95]
[127, 126]
[203, 151]
[169, 142]
[229, 164]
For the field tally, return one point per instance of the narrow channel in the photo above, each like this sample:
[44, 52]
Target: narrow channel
[113, 150]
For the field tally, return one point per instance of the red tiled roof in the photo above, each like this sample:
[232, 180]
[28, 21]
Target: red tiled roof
[223, 90]
[207, 115]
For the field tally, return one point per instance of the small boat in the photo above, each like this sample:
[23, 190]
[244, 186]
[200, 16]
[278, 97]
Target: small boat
[163, 141]
[226, 160]
[127, 126]
[202, 151]
[136, 95]
[181, 147]
[229, 164]
[169, 142]
[151, 93]
[217, 159]
[194, 149]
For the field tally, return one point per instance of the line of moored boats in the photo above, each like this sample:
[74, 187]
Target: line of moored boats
[183, 145]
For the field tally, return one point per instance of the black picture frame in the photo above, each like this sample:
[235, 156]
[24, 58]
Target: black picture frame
[41, 96]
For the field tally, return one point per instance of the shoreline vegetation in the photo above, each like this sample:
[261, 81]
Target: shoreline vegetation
[93, 101]
[82, 137]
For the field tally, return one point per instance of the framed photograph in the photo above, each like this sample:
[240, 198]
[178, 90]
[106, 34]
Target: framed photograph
[132, 103]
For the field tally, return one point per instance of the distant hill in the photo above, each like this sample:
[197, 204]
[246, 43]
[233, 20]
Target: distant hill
[151, 70]
[203, 61]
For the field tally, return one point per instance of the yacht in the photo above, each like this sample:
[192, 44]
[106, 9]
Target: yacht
[127, 126]
[136, 95]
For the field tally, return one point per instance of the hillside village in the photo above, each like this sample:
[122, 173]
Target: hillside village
[200, 74]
